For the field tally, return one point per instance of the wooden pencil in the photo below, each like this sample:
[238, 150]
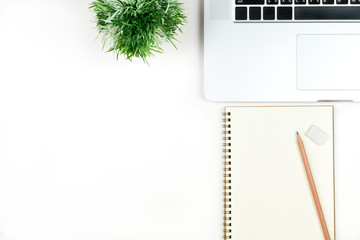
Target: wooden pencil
[313, 187]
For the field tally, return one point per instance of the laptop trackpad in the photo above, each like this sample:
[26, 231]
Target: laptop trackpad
[328, 62]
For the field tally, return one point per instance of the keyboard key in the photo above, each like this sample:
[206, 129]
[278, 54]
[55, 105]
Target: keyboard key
[355, 1]
[327, 13]
[328, 1]
[284, 13]
[272, 2]
[249, 2]
[269, 13]
[286, 2]
[240, 13]
[255, 13]
[342, 1]
[314, 1]
[300, 1]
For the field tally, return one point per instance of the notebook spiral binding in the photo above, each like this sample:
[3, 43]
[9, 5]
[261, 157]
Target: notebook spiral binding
[227, 176]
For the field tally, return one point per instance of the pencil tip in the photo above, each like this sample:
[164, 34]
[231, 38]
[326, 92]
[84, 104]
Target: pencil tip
[297, 133]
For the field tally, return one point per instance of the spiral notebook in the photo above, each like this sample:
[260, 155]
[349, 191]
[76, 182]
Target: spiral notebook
[267, 195]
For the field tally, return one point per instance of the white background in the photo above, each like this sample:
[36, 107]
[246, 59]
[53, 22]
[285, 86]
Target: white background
[94, 148]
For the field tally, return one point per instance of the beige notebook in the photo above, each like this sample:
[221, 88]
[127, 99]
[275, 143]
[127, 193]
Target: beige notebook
[267, 195]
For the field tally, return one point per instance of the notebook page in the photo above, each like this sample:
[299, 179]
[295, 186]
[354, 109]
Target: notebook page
[271, 197]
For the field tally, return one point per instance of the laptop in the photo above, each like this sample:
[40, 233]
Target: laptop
[282, 50]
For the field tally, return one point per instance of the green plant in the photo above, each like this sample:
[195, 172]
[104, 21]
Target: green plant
[137, 28]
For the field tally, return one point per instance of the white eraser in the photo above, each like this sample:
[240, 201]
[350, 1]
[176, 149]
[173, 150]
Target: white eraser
[317, 135]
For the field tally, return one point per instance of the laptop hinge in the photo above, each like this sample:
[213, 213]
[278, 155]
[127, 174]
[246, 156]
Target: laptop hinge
[335, 101]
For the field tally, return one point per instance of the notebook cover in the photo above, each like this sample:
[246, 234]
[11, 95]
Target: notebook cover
[267, 195]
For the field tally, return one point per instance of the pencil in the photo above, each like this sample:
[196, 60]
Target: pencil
[313, 187]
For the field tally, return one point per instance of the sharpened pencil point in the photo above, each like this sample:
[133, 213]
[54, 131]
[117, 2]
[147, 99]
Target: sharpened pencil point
[297, 133]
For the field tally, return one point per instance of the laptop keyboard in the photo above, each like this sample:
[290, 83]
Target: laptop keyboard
[297, 10]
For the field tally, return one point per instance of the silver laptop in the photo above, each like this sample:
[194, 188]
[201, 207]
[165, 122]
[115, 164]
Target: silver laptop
[282, 50]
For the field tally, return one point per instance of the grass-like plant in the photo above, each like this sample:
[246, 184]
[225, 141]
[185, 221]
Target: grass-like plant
[137, 28]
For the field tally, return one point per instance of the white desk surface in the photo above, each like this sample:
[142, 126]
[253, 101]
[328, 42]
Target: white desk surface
[92, 148]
